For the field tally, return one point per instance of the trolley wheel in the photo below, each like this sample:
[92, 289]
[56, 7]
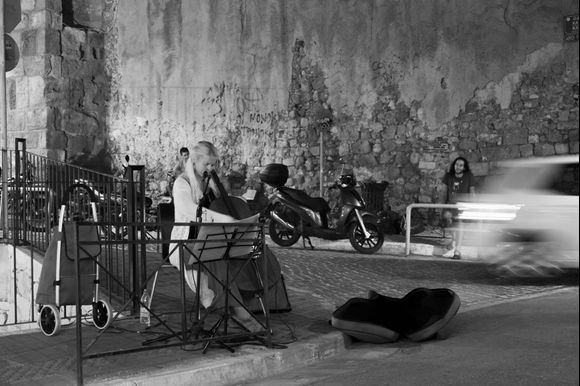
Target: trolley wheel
[49, 320]
[102, 314]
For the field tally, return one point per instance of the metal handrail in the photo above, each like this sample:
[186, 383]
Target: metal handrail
[408, 220]
[36, 188]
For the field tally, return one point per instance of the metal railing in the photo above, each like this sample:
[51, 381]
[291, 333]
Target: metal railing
[408, 220]
[237, 246]
[35, 189]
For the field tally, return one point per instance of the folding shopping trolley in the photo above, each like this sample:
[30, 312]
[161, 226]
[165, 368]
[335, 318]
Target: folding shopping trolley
[56, 286]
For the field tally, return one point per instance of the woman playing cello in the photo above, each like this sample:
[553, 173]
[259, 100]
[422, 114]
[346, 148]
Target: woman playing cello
[188, 193]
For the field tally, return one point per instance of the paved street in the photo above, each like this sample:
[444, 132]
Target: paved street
[334, 276]
[318, 281]
[530, 341]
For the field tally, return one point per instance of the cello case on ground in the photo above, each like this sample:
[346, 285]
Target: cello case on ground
[419, 315]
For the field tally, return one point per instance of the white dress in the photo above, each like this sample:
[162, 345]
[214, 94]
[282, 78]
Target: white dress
[186, 211]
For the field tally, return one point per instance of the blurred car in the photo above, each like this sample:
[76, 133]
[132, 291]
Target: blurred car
[526, 216]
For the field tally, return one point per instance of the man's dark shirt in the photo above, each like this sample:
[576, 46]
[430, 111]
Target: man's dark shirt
[457, 186]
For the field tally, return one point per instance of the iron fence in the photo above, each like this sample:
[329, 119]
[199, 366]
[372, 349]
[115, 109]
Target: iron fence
[37, 190]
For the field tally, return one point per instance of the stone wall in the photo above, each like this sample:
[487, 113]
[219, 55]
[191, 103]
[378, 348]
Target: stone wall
[56, 94]
[393, 90]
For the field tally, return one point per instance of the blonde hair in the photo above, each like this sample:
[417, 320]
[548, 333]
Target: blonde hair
[201, 149]
[204, 148]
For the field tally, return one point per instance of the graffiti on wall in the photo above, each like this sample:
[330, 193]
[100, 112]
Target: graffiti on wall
[243, 107]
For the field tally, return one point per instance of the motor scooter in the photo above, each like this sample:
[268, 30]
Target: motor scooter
[293, 213]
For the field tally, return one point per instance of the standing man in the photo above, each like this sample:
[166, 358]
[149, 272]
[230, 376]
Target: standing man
[177, 170]
[457, 182]
[183, 157]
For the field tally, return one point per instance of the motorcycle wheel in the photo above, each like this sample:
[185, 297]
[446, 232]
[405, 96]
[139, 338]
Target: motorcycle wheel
[360, 243]
[282, 235]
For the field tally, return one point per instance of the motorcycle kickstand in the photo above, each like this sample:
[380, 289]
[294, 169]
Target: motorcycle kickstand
[304, 238]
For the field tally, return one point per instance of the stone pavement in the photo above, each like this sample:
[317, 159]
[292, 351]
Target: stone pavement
[317, 281]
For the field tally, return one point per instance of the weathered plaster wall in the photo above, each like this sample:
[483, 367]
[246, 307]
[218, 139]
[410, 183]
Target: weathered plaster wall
[397, 88]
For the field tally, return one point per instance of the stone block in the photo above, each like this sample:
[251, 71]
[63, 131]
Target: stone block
[34, 65]
[56, 139]
[533, 139]
[563, 115]
[37, 19]
[562, 148]
[567, 125]
[50, 44]
[78, 123]
[368, 160]
[467, 144]
[78, 144]
[365, 147]
[393, 131]
[544, 149]
[29, 45]
[17, 121]
[55, 66]
[427, 165]
[53, 19]
[36, 117]
[96, 39]
[73, 41]
[516, 136]
[29, 5]
[56, 154]
[36, 85]
[11, 94]
[376, 126]
[343, 149]
[527, 150]
[89, 13]
[554, 135]
[21, 91]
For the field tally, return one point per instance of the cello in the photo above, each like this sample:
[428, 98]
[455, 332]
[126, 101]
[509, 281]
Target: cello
[239, 209]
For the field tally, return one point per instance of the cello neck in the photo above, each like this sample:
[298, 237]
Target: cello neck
[230, 207]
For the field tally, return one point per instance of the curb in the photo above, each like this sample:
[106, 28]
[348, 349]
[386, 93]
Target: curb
[392, 248]
[252, 363]
[261, 362]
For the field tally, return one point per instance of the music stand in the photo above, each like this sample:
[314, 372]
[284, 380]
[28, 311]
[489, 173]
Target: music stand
[235, 240]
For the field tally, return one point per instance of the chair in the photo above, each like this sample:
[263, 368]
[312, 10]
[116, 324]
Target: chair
[240, 241]
[154, 285]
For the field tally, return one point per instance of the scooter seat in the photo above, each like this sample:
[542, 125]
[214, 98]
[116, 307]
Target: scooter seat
[317, 204]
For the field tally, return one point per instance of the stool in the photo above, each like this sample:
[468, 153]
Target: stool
[163, 266]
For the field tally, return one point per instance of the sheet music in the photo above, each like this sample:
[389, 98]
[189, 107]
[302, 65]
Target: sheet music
[212, 240]
[208, 215]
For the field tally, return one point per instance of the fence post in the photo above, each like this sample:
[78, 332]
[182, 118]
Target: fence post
[19, 190]
[138, 268]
